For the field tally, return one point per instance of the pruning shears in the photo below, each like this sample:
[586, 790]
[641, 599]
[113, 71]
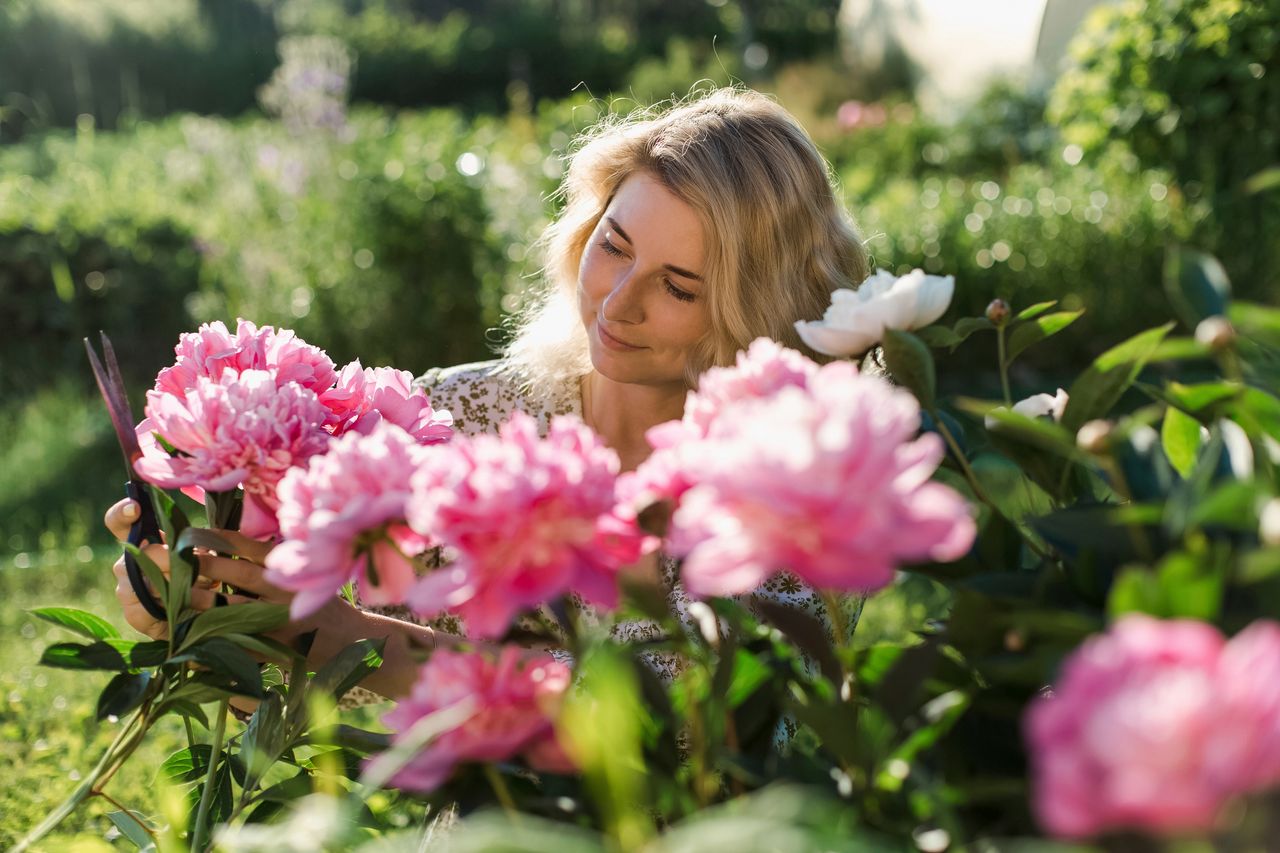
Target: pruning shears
[146, 528]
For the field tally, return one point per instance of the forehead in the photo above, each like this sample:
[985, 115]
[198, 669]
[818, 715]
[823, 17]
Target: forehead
[653, 217]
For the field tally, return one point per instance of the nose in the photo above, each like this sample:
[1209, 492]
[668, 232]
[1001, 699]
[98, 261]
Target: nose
[623, 303]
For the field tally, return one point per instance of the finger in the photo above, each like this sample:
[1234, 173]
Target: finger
[246, 548]
[120, 517]
[203, 599]
[242, 574]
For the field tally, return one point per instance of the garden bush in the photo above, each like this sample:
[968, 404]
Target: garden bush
[1192, 87]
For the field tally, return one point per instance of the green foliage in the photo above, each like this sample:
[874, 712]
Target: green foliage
[1193, 87]
[1091, 237]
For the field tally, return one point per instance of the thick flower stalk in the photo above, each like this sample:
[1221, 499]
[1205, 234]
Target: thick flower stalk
[342, 519]
[529, 519]
[857, 319]
[517, 697]
[363, 397]
[238, 429]
[1155, 726]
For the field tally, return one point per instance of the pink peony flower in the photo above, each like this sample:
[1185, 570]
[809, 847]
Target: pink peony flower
[762, 370]
[211, 349]
[1154, 726]
[364, 397]
[517, 698]
[342, 519]
[238, 429]
[779, 465]
[530, 520]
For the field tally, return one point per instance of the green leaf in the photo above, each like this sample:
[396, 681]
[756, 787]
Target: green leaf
[938, 337]
[122, 694]
[200, 688]
[249, 618]
[349, 667]
[1254, 320]
[1180, 349]
[131, 827]
[1196, 284]
[1234, 505]
[1257, 412]
[1101, 386]
[155, 577]
[1200, 396]
[1033, 311]
[263, 738]
[1180, 435]
[118, 655]
[270, 650]
[1136, 590]
[221, 655]
[1267, 179]
[909, 361]
[1034, 331]
[184, 708]
[349, 737]
[969, 325]
[82, 623]
[186, 765]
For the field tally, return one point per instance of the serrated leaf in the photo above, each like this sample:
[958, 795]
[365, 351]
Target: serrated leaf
[911, 364]
[1033, 331]
[250, 618]
[1180, 436]
[1101, 386]
[82, 623]
[1196, 284]
[122, 694]
[349, 667]
[1033, 311]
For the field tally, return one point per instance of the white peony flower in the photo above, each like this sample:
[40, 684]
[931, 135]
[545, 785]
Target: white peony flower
[1036, 406]
[1042, 405]
[857, 319]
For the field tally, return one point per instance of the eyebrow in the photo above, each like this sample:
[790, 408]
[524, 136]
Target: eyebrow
[680, 271]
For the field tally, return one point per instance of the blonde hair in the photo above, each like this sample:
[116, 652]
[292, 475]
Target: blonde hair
[777, 240]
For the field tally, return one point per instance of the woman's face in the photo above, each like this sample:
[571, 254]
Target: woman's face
[640, 292]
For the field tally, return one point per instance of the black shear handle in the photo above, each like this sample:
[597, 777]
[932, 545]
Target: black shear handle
[145, 528]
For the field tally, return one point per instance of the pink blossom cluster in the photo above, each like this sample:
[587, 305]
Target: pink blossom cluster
[530, 520]
[779, 464]
[342, 519]
[242, 409]
[1154, 726]
[515, 700]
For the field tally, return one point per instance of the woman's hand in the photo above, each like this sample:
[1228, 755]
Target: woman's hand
[245, 574]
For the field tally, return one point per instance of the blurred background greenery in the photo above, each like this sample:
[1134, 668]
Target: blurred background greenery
[374, 172]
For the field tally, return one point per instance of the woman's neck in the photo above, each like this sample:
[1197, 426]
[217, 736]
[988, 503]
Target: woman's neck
[622, 412]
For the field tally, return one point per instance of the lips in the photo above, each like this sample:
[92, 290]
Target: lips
[614, 342]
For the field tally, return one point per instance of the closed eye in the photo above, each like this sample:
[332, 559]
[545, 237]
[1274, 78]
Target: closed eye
[611, 249]
[682, 295]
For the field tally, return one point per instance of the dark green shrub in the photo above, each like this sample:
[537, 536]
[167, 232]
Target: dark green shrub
[1191, 86]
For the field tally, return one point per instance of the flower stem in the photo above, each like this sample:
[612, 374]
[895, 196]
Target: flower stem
[978, 491]
[206, 796]
[503, 793]
[1004, 367]
[133, 817]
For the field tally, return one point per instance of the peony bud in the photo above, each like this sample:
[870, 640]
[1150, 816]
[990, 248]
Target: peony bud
[1215, 332]
[1094, 436]
[998, 312]
[1269, 523]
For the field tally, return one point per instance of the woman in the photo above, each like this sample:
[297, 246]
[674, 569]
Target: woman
[685, 235]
